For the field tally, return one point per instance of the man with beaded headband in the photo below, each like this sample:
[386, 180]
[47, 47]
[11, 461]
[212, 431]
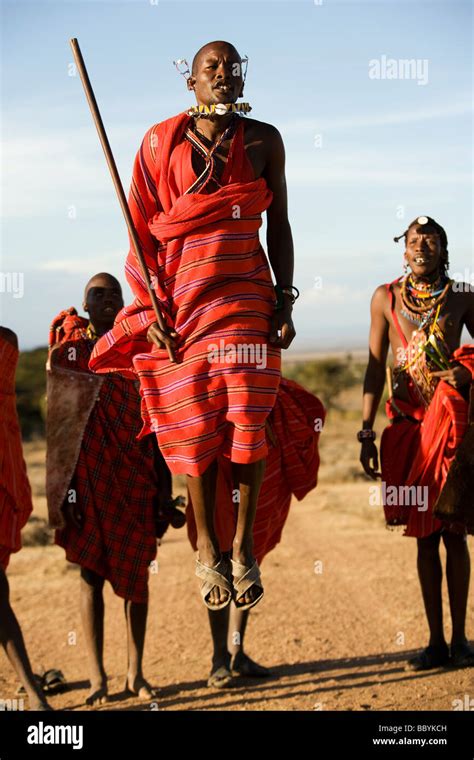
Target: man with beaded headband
[421, 317]
[201, 181]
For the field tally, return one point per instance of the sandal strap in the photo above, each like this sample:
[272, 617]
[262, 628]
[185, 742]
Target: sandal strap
[245, 577]
[213, 576]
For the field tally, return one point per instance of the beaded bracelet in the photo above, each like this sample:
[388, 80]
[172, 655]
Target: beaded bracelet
[366, 435]
[281, 292]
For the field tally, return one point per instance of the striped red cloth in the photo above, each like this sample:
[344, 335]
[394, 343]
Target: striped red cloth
[291, 469]
[214, 284]
[115, 479]
[421, 454]
[15, 491]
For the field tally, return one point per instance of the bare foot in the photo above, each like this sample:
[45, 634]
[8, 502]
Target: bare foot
[254, 592]
[243, 665]
[139, 687]
[462, 655]
[98, 694]
[39, 704]
[220, 676]
[208, 556]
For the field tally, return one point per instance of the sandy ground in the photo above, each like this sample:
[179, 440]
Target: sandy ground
[342, 612]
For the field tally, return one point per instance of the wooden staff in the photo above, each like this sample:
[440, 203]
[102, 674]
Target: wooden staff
[389, 382]
[76, 50]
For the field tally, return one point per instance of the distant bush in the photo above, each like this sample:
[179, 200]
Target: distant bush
[31, 392]
[37, 532]
[327, 378]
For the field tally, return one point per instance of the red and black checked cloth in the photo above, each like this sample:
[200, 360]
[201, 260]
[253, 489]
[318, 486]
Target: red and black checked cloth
[115, 479]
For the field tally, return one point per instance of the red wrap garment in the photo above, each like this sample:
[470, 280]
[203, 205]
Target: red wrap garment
[291, 469]
[420, 451]
[114, 479]
[214, 285]
[15, 490]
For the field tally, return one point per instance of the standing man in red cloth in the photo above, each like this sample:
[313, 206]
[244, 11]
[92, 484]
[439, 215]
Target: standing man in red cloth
[200, 185]
[421, 317]
[15, 508]
[102, 484]
[293, 428]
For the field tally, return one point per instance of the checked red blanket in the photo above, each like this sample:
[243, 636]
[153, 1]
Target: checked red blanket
[114, 475]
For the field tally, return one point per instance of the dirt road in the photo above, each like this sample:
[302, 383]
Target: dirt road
[342, 612]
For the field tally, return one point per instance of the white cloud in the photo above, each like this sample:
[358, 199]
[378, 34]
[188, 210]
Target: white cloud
[83, 266]
[333, 295]
[45, 174]
[313, 124]
[328, 170]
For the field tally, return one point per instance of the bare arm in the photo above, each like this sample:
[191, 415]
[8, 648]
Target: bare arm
[469, 318]
[279, 237]
[378, 349]
[374, 380]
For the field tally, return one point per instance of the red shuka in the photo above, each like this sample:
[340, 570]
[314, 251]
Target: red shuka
[15, 490]
[214, 285]
[420, 454]
[291, 469]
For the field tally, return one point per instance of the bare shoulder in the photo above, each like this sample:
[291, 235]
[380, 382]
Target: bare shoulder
[262, 130]
[9, 336]
[380, 295]
[380, 303]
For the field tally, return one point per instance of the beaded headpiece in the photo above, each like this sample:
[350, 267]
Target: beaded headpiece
[422, 220]
[186, 73]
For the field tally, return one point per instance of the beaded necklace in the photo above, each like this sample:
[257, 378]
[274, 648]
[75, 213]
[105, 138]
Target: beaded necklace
[427, 350]
[420, 299]
[91, 333]
[210, 171]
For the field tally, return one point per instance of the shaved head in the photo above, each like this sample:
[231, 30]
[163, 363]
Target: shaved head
[102, 301]
[209, 46]
[101, 280]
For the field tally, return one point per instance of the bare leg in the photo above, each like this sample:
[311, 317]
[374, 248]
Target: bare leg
[92, 615]
[430, 574]
[220, 670]
[458, 570]
[241, 663]
[203, 494]
[135, 616]
[249, 478]
[12, 641]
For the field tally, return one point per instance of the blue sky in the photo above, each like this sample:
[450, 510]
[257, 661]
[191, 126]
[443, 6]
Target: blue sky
[364, 156]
